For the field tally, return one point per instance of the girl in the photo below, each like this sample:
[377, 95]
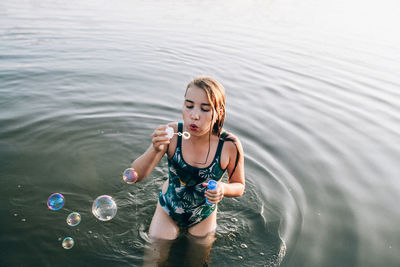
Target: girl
[192, 162]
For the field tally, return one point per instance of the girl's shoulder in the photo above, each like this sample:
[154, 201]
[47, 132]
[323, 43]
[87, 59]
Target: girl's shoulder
[232, 143]
[228, 136]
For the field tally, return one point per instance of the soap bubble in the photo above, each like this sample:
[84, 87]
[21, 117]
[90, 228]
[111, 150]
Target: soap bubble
[55, 201]
[104, 208]
[170, 132]
[68, 243]
[73, 219]
[129, 176]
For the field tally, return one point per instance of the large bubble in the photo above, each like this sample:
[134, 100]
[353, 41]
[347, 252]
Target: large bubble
[73, 219]
[55, 201]
[104, 208]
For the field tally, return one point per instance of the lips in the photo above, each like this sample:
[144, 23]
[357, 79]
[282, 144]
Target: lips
[193, 127]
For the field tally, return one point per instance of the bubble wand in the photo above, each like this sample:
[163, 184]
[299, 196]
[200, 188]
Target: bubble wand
[170, 133]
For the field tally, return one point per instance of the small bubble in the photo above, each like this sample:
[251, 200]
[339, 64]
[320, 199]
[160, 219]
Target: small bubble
[122, 242]
[60, 238]
[23, 220]
[68, 243]
[90, 232]
[243, 245]
[73, 219]
[129, 176]
[15, 214]
[240, 257]
[95, 236]
[19, 186]
[234, 220]
[55, 201]
[262, 253]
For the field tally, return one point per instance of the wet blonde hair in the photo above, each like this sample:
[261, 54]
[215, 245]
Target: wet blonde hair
[216, 96]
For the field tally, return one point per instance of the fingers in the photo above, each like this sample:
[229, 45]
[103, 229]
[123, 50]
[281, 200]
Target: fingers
[160, 137]
[214, 196]
[160, 131]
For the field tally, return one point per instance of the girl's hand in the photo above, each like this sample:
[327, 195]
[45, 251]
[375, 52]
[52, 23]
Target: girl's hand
[216, 195]
[160, 138]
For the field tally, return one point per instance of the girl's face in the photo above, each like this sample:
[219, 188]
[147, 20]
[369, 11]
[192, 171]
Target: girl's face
[197, 112]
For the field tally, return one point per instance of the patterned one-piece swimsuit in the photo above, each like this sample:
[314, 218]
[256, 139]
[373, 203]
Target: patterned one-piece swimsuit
[184, 199]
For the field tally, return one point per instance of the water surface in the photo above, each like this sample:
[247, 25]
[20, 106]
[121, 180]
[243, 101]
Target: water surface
[312, 93]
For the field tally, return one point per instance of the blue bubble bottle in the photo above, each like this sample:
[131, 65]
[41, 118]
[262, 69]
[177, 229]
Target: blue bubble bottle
[211, 185]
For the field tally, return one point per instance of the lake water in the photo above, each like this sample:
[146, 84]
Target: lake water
[312, 93]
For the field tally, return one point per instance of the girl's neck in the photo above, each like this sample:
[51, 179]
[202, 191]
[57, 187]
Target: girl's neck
[199, 140]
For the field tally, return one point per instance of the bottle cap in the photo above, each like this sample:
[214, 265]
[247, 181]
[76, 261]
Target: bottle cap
[212, 184]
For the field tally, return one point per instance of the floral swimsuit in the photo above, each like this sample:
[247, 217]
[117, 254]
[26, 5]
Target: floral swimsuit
[184, 199]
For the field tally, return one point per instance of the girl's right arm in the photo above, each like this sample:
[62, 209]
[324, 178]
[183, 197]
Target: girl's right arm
[145, 164]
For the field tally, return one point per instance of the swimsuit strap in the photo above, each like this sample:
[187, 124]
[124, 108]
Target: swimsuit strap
[180, 129]
[220, 144]
[237, 150]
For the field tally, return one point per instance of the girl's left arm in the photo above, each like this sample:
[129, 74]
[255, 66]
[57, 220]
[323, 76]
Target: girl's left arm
[236, 180]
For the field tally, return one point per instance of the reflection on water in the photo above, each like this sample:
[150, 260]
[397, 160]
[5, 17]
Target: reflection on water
[312, 92]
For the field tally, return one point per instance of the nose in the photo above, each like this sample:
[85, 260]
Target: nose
[194, 115]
